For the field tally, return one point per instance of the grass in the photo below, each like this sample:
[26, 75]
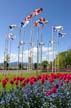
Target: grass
[25, 74]
[12, 75]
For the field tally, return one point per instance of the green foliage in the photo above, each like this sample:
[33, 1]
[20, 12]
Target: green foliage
[6, 65]
[44, 64]
[20, 66]
[64, 59]
[35, 66]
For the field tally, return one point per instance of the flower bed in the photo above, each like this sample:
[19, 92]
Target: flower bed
[43, 91]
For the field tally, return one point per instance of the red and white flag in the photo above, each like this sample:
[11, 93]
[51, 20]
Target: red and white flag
[40, 21]
[36, 23]
[37, 11]
[28, 18]
[43, 21]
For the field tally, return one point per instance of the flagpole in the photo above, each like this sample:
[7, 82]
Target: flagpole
[40, 44]
[55, 57]
[31, 44]
[6, 49]
[10, 52]
[39, 61]
[47, 56]
[23, 47]
[37, 53]
[52, 47]
[22, 55]
[55, 63]
[18, 57]
[58, 49]
[48, 52]
[38, 49]
[19, 48]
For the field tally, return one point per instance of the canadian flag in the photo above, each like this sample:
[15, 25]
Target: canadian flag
[37, 11]
[36, 23]
[28, 18]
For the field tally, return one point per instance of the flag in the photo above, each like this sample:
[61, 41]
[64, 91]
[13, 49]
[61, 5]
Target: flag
[12, 26]
[58, 28]
[37, 11]
[43, 21]
[40, 21]
[51, 42]
[21, 42]
[24, 24]
[11, 36]
[36, 23]
[28, 18]
[61, 34]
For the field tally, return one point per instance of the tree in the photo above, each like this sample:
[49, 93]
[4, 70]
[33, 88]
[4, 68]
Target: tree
[35, 66]
[44, 64]
[64, 59]
[20, 66]
[6, 62]
[68, 58]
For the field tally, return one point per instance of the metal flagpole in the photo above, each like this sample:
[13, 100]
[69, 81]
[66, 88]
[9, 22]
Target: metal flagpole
[18, 57]
[38, 49]
[22, 54]
[37, 53]
[22, 47]
[10, 52]
[48, 52]
[41, 44]
[38, 46]
[6, 50]
[19, 48]
[31, 45]
[55, 58]
[58, 50]
[31, 51]
[52, 48]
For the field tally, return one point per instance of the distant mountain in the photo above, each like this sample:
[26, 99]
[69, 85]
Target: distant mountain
[14, 63]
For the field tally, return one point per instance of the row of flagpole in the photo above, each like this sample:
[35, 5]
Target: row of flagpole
[39, 24]
[10, 36]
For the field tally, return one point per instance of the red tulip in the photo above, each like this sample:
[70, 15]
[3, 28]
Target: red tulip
[23, 83]
[67, 80]
[31, 81]
[48, 93]
[11, 82]
[16, 82]
[53, 90]
[4, 82]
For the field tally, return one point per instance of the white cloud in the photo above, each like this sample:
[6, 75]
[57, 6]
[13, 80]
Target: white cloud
[26, 53]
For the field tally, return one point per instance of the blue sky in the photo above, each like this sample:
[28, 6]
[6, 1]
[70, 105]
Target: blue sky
[57, 12]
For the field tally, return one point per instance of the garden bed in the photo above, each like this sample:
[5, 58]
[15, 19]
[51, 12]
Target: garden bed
[42, 91]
